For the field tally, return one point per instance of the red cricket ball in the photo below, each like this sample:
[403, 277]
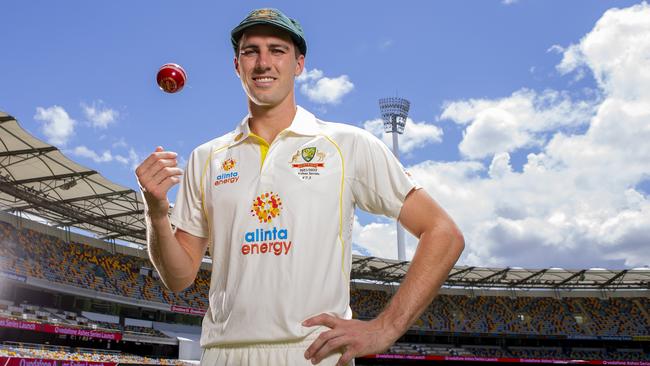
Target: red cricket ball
[171, 78]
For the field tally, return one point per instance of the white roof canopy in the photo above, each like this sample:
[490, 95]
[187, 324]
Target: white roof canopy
[37, 178]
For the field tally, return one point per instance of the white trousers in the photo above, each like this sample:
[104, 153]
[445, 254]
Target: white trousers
[265, 354]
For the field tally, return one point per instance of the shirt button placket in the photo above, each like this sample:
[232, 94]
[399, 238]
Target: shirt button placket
[266, 172]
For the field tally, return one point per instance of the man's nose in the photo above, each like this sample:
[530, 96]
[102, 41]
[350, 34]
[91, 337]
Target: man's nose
[263, 60]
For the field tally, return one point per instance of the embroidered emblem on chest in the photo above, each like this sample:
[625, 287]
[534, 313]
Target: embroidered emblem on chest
[308, 161]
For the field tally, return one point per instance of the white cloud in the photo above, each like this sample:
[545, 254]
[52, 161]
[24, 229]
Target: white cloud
[574, 203]
[324, 90]
[616, 52]
[500, 166]
[85, 152]
[132, 159]
[379, 239]
[309, 75]
[98, 115]
[122, 159]
[540, 217]
[58, 127]
[416, 134]
[515, 122]
[120, 143]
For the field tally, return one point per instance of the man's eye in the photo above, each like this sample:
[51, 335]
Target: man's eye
[277, 51]
[248, 52]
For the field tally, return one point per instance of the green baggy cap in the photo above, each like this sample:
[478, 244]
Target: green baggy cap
[275, 18]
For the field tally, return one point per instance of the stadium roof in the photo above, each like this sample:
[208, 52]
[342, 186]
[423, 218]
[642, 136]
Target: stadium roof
[391, 271]
[36, 178]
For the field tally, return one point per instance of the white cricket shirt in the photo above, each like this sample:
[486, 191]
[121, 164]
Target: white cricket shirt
[279, 221]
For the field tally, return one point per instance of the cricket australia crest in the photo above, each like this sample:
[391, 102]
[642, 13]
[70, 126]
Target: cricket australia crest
[308, 153]
[308, 161]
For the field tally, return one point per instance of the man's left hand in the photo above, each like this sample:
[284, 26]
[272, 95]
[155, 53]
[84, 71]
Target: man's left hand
[353, 338]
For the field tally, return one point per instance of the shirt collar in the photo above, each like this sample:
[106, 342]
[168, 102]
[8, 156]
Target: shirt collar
[304, 123]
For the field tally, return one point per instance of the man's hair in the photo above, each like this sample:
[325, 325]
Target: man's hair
[296, 48]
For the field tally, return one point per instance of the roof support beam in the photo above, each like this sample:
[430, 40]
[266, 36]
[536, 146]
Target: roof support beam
[84, 198]
[570, 278]
[97, 196]
[56, 177]
[611, 280]
[135, 233]
[495, 274]
[391, 266]
[464, 270]
[34, 151]
[362, 263]
[526, 279]
[99, 218]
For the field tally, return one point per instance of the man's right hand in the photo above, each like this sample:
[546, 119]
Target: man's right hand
[156, 175]
[175, 254]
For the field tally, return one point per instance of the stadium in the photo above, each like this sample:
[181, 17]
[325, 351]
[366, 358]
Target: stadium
[77, 288]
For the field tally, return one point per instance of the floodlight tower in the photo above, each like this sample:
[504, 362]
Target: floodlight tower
[394, 112]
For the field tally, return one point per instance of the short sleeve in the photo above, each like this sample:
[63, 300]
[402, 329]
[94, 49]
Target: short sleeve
[379, 182]
[187, 213]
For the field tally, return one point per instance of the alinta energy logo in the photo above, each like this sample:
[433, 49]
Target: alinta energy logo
[227, 176]
[266, 207]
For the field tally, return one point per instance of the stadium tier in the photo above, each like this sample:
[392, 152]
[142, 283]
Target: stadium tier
[37, 314]
[29, 253]
[29, 313]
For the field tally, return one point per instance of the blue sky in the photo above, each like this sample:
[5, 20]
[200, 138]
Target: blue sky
[527, 116]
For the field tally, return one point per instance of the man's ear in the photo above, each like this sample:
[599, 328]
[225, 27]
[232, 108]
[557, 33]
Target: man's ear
[300, 65]
[236, 62]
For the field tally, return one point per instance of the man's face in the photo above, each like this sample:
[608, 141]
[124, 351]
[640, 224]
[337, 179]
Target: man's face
[267, 65]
